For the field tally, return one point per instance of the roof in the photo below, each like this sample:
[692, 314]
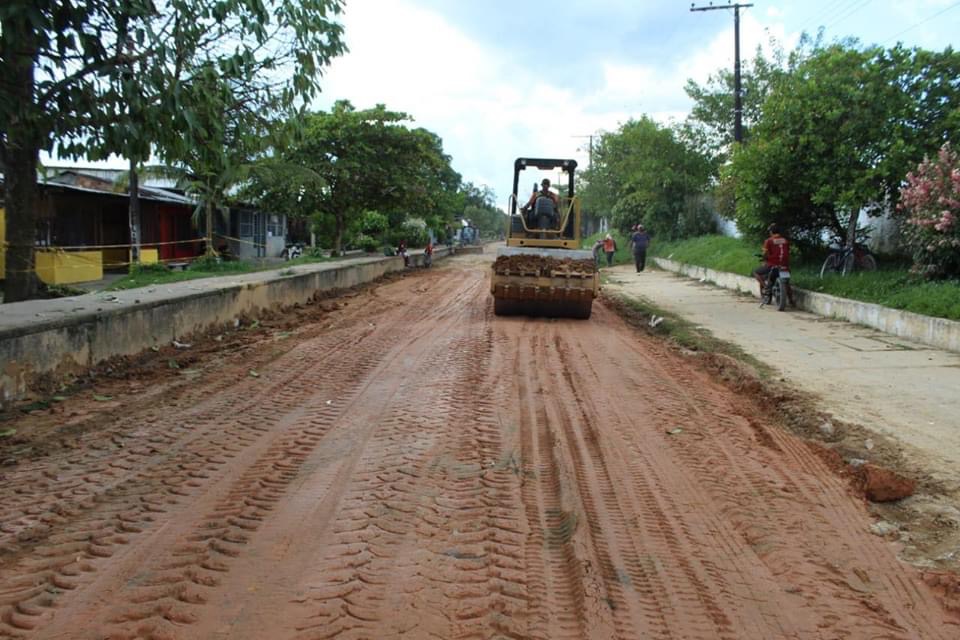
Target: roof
[146, 193]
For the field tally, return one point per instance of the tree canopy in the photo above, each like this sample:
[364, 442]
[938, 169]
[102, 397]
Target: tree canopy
[648, 173]
[838, 135]
[128, 76]
[353, 161]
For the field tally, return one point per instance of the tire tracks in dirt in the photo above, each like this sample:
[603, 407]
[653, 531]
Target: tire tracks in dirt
[413, 467]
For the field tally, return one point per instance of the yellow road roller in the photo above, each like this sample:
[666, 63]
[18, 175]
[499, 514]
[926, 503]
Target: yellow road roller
[542, 271]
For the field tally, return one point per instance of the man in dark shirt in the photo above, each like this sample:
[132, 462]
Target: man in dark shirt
[640, 241]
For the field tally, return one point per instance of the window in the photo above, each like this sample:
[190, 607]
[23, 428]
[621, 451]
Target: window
[246, 224]
[275, 226]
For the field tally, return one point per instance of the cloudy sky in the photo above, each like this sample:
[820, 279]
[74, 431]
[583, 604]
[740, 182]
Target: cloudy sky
[499, 79]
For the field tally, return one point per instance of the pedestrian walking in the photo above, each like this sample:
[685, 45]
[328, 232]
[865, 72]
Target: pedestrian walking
[609, 248]
[597, 250]
[639, 242]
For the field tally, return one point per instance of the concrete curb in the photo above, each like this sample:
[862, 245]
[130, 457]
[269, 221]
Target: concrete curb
[30, 346]
[936, 332]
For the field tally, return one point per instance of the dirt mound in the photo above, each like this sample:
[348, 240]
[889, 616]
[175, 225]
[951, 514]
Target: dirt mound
[882, 485]
[541, 265]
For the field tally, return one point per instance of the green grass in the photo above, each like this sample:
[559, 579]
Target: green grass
[157, 274]
[891, 285]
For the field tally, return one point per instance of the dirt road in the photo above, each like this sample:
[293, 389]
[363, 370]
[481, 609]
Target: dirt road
[405, 464]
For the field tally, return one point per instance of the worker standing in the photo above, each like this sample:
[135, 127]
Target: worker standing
[609, 248]
[597, 250]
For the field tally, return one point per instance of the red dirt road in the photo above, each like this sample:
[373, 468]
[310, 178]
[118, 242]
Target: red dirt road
[411, 466]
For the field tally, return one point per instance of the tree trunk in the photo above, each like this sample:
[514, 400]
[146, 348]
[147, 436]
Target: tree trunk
[21, 158]
[338, 239]
[134, 214]
[21, 206]
[210, 250]
[852, 229]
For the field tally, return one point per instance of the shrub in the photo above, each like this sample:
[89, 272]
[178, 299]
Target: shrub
[367, 243]
[372, 223]
[931, 203]
[413, 231]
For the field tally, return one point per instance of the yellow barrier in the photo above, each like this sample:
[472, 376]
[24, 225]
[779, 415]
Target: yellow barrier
[149, 256]
[68, 267]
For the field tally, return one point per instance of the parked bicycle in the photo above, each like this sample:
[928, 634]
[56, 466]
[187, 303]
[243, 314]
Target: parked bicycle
[843, 259]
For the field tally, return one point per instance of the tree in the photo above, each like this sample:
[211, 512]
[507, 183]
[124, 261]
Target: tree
[711, 119]
[838, 133]
[353, 161]
[645, 172]
[70, 71]
[930, 203]
[479, 207]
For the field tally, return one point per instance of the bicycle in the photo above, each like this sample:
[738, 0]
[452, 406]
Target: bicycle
[843, 259]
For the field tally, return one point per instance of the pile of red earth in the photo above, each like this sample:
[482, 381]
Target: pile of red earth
[541, 265]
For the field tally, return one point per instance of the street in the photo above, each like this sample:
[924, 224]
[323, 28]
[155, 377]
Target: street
[399, 462]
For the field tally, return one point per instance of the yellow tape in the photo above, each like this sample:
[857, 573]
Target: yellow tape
[250, 242]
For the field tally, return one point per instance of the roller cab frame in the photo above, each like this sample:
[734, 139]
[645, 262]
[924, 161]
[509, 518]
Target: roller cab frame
[563, 232]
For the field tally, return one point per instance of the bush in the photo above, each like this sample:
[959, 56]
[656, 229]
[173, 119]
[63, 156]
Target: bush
[372, 223]
[931, 202]
[413, 232]
[367, 243]
[214, 264]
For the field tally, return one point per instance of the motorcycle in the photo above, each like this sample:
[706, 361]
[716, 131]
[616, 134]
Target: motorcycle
[776, 290]
[292, 252]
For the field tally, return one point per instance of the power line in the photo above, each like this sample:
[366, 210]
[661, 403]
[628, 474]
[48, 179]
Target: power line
[849, 13]
[825, 14]
[922, 22]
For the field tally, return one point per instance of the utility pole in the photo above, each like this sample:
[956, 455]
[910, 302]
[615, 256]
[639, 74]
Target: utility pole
[737, 92]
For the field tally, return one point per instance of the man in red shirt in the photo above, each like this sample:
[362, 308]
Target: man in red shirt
[776, 253]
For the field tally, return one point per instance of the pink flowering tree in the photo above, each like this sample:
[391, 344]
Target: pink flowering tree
[930, 203]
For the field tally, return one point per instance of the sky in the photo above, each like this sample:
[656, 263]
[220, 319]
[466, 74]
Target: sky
[502, 79]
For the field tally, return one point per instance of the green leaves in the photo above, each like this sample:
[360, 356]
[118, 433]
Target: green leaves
[645, 172]
[838, 134]
[348, 161]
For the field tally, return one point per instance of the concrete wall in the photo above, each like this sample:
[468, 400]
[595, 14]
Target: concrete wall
[83, 340]
[937, 332]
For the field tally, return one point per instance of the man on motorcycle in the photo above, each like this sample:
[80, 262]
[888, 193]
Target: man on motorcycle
[776, 254]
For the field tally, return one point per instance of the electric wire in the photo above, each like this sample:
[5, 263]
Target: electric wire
[849, 13]
[922, 22]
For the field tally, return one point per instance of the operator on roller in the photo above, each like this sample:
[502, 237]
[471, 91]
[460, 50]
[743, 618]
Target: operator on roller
[544, 204]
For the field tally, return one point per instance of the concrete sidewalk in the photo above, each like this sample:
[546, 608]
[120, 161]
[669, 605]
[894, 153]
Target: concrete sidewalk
[28, 315]
[903, 389]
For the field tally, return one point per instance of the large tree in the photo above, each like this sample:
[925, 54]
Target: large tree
[646, 172]
[350, 161]
[838, 135]
[478, 205]
[70, 73]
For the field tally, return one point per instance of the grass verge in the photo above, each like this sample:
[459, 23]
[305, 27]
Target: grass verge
[157, 274]
[891, 285]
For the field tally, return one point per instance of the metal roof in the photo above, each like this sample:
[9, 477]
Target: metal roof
[146, 193]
